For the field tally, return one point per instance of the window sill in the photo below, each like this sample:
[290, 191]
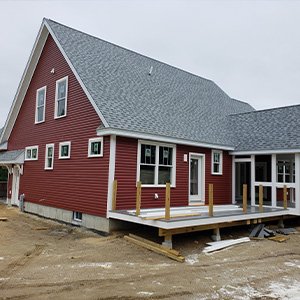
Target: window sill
[41, 122]
[59, 117]
[35, 159]
[64, 157]
[48, 169]
[156, 186]
[218, 174]
[92, 156]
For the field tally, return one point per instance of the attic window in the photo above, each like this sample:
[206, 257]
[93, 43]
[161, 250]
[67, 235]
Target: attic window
[40, 105]
[61, 96]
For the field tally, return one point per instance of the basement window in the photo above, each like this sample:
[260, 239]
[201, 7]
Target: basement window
[156, 164]
[64, 150]
[31, 153]
[216, 162]
[77, 216]
[95, 147]
[49, 157]
[61, 95]
[40, 105]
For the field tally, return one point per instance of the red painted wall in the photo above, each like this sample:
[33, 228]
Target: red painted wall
[125, 173]
[79, 183]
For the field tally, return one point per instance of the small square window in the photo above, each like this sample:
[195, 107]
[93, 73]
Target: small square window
[64, 150]
[77, 216]
[31, 153]
[95, 147]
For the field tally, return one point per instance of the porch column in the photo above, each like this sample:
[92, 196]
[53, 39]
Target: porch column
[297, 182]
[252, 180]
[233, 180]
[274, 179]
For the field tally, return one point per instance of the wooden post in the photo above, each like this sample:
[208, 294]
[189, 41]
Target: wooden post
[211, 200]
[244, 198]
[114, 195]
[285, 197]
[138, 198]
[167, 202]
[260, 198]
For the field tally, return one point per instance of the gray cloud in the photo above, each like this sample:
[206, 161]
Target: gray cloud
[249, 48]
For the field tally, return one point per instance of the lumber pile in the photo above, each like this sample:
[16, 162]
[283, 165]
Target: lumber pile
[215, 246]
[157, 248]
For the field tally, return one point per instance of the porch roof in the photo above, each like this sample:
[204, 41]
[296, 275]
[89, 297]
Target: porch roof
[267, 130]
[12, 157]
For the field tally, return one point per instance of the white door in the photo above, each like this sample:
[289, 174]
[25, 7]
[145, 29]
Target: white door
[196, 179]
[15, 186]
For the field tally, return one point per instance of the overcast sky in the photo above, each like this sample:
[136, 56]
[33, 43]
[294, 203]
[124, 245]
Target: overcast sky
[251, 49]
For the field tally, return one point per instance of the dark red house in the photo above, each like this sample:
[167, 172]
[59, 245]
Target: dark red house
[88, 112]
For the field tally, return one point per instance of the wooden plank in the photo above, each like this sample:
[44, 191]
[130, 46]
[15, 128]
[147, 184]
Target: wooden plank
[114, 196]
[211, 200]
[225, 244]
[244, 198]
[285, 206]
[260, 198]
[278, 238]
[172, 216]
[167, 201]
[155, 249]
[3, 219]
[138, 198]
[175, 252]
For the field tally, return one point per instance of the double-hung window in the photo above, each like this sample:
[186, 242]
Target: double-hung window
[156, 164]
[61, 96]
[31, 153]
[216, 162]
[40, 105]
[49, 157]
[64, 150]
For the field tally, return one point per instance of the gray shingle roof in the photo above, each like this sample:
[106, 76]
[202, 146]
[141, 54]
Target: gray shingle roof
[271, 129]
[12, 156]
[170, 102]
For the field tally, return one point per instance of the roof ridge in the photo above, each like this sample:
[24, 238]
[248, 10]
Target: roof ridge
[113, 44]
[266, 109]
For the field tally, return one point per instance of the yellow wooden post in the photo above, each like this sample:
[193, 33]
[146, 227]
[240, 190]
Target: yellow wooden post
[244, 198]
[285, 197]
[211, 200]
[167, 202]
[260, 198]
[138, 198]
[114, 195]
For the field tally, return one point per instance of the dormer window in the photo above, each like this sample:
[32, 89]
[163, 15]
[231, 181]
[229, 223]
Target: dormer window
[61, 95]
[40, 105]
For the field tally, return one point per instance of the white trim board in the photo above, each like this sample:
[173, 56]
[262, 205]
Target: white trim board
[157, 138]
[283, 151]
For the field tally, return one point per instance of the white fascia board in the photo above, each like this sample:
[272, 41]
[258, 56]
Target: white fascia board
[283, 151]
[158, 138]
[104, 122]
[3, 146]
[25, 81]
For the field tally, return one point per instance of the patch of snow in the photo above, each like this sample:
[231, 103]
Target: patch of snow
[294, 263]
[3, 279]
[106, 265]
[1, 258]
[145, 293]
[156, 282]
[285, 291]
[192, 259]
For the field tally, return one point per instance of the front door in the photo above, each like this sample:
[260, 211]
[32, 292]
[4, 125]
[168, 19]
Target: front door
[15, 186]
[196, 179]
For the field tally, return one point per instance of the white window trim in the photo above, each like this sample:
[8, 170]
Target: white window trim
[56, 95]
[98, 139]
[76, 219]
[36, 105]
[173, 173]
[221, 162]
[60, 146]
[31, 148]
[46, 156]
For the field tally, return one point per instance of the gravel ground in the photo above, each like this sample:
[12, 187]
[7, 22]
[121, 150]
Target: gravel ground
[43, 259]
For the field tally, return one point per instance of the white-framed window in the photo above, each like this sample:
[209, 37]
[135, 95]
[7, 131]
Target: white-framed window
[77, 216]
[216, 162]
[285, 171]
[40, 105]
[156, 163]
[32, 153]
[49, 157]
[95, 148]
[64, 150]
[61, 97]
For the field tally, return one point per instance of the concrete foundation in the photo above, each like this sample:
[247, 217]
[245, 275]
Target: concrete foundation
[88, 221]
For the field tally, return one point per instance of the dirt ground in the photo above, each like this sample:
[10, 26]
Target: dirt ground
[43, 259]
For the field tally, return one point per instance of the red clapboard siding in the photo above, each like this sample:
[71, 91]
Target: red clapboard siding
[125, 173]
[79, 183]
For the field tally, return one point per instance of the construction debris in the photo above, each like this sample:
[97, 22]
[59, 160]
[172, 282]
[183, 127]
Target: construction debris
[279, 238]
[3, 219]
[215, 246]
[261, 232]
[286, 231]
[157, 248]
